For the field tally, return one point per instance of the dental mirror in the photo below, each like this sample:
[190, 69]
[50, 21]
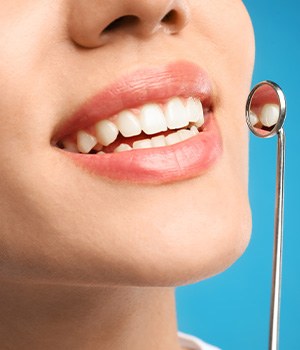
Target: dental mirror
[266, 109]
[265, 114]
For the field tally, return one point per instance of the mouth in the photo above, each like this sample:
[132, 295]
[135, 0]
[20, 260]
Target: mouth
[153, 126]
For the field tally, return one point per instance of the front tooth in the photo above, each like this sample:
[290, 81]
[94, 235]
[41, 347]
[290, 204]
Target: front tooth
[195, 110]
[152, 119]
[269, 114]
[122, 147]
[253, 118]
[106, 132]
[128, 124]
[158, 141]
[85, 141]
[146, 143]
[184, 134]
[173, 138]
[176, 114]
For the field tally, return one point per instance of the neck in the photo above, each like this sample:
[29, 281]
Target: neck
[90, 318]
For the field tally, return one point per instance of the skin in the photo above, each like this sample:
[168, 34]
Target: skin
[88, 263]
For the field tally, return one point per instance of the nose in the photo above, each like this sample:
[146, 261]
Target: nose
[94, 23]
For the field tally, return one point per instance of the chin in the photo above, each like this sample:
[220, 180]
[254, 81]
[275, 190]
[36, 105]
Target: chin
[202, 253]
[183, 249]
[162, 255]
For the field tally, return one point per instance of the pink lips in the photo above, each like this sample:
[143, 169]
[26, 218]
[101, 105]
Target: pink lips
[184, 160]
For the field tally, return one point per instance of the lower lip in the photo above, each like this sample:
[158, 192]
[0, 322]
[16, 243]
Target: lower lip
[184, 160]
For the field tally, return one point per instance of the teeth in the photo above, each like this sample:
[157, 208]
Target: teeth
[158, 141]
[199, 123]
[201, 120]
[85, 141]
[146, 143]
[70, 146]
[176, 114]
[122, 147]
[173, 138]
[195, 111]
[128, 124]
[269, 114]
[194, 130]
[106, 132]
[184, 134]
[152, 119]
[253, 118]
[98, 147]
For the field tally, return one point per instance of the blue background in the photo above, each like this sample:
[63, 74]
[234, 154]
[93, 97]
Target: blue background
[231, 310]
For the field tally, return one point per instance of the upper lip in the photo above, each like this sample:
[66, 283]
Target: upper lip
[156, 84]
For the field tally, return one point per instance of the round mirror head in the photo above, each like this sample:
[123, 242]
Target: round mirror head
[265, 109]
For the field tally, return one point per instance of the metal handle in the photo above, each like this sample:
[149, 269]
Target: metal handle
[278, 241]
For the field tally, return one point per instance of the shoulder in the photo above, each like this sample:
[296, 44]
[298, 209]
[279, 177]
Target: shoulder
[191, 342]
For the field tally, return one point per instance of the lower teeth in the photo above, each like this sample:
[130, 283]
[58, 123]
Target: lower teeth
[158, 141]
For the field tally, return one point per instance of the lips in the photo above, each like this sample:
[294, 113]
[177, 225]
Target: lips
[175, 162]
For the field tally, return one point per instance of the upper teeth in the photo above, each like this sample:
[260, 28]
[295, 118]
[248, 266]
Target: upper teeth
[253, 118]
[106, 132]
[268, 116]
[85, 141]
[128, 124]
[150, 118]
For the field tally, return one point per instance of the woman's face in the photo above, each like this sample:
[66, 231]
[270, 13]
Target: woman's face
[62, 222]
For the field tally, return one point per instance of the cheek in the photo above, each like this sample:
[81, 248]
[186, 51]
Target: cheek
[226, 27]
[233, 70]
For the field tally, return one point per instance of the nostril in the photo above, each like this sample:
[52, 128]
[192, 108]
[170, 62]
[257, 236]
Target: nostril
[121, 22]
[174, 21]
[89, 28]
[171, 18]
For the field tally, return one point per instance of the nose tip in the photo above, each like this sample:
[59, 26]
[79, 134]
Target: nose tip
[93, 24]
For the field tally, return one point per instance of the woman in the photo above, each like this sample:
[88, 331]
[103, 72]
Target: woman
[103, 210]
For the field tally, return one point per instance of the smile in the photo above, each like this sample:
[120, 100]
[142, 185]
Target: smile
[154, 126]
[129, 129]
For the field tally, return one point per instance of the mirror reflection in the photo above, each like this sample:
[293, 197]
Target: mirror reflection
[264, 110]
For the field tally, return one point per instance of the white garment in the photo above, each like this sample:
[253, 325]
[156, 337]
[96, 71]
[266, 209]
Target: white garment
[191, 342]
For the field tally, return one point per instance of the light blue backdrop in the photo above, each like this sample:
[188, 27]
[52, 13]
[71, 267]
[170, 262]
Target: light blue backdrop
[232, 310]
